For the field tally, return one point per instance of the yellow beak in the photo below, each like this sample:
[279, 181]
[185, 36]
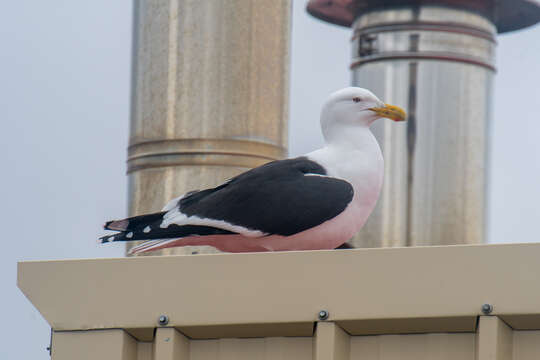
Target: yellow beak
[390, 112]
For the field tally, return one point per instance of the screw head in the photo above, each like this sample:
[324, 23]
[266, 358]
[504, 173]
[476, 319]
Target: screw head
[323, 315]
[487, 309]
[163, 320]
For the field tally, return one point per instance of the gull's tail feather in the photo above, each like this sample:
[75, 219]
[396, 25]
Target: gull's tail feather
[149, 227]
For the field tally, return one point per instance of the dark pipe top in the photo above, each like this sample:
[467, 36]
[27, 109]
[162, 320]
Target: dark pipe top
[507, 15]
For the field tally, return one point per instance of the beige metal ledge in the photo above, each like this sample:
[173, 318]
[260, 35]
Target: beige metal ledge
[366, 291]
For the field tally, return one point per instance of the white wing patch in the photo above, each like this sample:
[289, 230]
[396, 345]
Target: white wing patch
[319, 175]
[174, 216]
[172, 203]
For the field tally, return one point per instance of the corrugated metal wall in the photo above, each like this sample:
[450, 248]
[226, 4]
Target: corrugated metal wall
[494, 340]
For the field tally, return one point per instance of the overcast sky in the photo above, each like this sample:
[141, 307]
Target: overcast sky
[64, 101]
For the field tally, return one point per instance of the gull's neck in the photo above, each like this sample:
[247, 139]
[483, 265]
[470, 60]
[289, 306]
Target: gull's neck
[350, 138]
[354, 149]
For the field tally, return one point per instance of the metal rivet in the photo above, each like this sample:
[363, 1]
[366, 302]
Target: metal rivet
[323, 315]
[487, 308]
[163, 320]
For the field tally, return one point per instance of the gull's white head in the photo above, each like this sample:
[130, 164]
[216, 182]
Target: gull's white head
[354, 107]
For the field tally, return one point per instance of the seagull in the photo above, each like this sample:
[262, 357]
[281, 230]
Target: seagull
[312, 202]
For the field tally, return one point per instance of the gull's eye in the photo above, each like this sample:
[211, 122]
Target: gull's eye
[356, 99]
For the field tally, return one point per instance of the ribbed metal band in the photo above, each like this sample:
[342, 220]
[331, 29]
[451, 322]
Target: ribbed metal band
[409, 55]
[224, 152]
[451, 27]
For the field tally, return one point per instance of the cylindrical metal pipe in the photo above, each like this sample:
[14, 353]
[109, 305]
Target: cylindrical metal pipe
[209, 95]
[438, 63]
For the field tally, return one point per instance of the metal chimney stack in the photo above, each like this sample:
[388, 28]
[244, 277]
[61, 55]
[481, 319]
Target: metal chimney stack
[209, 96]
[435, 58]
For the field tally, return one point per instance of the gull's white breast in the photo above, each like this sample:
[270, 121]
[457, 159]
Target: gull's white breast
[362, 167]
